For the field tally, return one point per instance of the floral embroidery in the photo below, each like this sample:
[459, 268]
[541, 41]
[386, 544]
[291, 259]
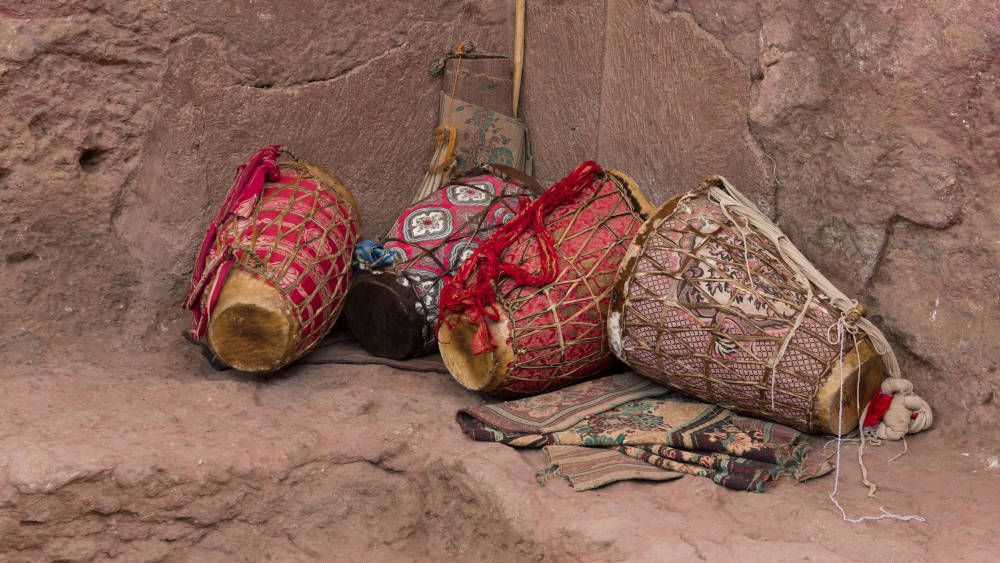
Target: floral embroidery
[429, 223]
[734, 451]
[470, 194]
[487, 136]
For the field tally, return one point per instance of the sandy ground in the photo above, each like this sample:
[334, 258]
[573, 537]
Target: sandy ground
[175, 461]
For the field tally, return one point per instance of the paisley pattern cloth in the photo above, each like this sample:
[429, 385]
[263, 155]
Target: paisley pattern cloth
[624, 426]
[709, 306]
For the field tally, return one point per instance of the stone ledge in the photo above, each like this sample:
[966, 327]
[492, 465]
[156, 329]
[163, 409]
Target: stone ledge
[354, 461]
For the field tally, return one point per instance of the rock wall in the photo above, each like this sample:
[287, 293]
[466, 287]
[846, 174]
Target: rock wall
[124, 123]
[867, 129]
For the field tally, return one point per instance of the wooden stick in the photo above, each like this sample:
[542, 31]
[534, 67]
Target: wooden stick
[518, 50]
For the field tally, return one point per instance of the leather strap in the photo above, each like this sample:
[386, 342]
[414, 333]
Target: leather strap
[519, 177]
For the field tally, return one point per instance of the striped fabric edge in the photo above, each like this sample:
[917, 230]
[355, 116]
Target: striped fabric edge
[590, 468]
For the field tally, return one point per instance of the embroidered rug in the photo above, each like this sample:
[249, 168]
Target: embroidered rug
[624, 426]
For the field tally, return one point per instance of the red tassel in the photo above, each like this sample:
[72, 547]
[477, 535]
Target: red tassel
[877, 408]
[472, 291]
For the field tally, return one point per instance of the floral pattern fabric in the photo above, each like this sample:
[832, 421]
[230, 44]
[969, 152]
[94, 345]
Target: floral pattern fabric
[703, 287]
[485, 136]
[633, 420]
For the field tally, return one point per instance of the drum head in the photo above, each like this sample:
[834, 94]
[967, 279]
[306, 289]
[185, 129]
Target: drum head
[863, 371]
[383, 315]
[252, 328]
[483, 372]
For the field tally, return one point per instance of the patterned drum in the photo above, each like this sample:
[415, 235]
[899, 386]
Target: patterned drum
[527, 312]
[275, 263]
[393, 307]
[713, 300]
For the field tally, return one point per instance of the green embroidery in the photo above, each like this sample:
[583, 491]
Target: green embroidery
[602, 440]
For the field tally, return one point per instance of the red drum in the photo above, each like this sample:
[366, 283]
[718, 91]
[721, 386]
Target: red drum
[275, 264]
[526, 313]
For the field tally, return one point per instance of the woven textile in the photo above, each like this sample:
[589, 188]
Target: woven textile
[290, 224]
[706, 306]
[626, 427]
[432, 238]
[485, 135]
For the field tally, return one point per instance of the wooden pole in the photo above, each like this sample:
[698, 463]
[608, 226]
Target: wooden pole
[518, 50]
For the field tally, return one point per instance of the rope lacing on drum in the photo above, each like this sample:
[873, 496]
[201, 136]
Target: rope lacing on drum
[851, 321]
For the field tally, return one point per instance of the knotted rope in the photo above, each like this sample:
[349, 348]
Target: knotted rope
[473, 289]
[372, 255]
[843, 329]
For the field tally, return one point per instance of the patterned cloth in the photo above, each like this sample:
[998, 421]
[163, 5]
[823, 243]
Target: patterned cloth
[624, 426]
[695, 319]
[485, 135]
[434, 236]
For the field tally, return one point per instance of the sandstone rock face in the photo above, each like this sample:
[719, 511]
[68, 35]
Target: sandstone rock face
[125, 124]
[334, 462]
[867, 130]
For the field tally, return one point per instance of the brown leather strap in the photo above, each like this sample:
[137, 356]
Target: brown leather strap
[519, 177]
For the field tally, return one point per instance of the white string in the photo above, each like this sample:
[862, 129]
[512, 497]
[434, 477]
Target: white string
[732, 201]
[885, 514]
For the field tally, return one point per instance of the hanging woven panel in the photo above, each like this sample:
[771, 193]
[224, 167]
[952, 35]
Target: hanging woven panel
[392, 307]
[476, 124]
[713, 300]
[526, 313]
[275, 264]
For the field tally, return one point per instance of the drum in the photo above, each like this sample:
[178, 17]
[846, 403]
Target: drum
[392, 307]
[274, 266]
[527, 312]
[714, 301]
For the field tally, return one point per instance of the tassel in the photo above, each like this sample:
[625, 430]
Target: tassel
[473, 285]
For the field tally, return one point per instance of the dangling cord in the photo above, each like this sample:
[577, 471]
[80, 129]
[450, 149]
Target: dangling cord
[842, 330]
[734, 209]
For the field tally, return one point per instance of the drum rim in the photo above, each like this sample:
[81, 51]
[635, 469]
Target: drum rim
[292, 336]
[616, 309]
[358, 314]
[637, 198]
[461, 364]
[862, 363]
